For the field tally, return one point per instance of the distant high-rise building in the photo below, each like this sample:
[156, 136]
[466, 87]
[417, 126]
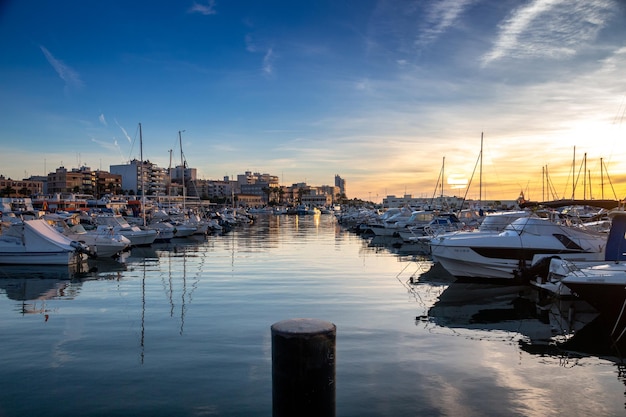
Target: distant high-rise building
[341, 183]
[154, 179]
[71, 181]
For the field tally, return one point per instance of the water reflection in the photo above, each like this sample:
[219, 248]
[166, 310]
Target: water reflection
[567, 332]
[142, 254]
[179, 264]
[517, 309]
[200, 313]
[177, 256]
[538, 318]
[33, 285]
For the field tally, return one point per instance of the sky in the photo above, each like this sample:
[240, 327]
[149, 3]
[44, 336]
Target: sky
[391, 95]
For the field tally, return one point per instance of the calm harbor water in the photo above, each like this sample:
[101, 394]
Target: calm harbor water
[184, 329]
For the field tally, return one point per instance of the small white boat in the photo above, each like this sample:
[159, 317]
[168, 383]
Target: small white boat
[434, 225]
[201, 225]
[103, 241]
[164, 229]
[136, 235]
[35, 242]
[602, 284]
[182, 229]
[180, 225]
[386, 224]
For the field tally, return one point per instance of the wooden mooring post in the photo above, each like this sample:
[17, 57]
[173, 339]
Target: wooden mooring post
[303, 368]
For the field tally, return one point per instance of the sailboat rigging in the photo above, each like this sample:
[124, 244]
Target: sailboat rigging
[143, 191]
[480, 187]
[586, 200]
[182, 167]
[440, 181]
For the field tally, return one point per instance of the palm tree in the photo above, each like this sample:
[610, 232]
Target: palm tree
[277, 193]
[7, 191]
[267, 191]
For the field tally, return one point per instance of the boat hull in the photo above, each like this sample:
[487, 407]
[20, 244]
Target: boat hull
[607, 294]
[183, 231]
[139, 237]
[41, 258]
[35, 242]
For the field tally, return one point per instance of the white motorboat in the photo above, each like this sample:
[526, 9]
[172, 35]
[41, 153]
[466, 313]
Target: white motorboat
[387, 223]
[433, 225]
[501, 255]
[165, 230]
[418, 242]
[201, 225]
[35, 242]
[182, 229]
[103, 241]
[181, 226]
[136, 235]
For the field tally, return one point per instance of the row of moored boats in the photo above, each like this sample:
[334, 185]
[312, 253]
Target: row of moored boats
[38, 238]
[564, 252]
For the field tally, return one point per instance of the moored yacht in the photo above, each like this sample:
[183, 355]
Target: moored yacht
[136, 235]
[385, 224]
[102, 241]
[501, 255]
[35, 242]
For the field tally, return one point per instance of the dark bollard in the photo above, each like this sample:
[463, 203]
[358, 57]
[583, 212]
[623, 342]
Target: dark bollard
[303, 368]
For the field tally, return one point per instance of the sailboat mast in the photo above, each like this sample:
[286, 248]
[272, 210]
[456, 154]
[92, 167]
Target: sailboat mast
[585, 176]
[543, 183]
[443, 166]
[169, 188]
[143, 191]
[182, 165]
[480, 179]
[574, 175]
[602, 176]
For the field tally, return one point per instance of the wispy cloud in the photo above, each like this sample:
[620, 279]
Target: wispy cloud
[268, 59]
[550, 28]
[111, 147]
[205, 9]
[123, 131]
[67, 74]
[442, 15]
[268, 62]
[102, 119]
[250, 44]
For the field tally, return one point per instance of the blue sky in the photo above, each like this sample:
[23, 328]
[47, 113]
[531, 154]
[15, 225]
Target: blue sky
[379, 92]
